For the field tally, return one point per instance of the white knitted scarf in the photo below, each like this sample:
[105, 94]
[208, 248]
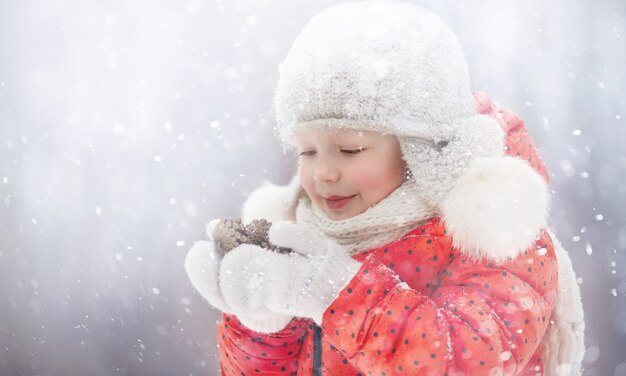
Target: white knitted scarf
[391, 218]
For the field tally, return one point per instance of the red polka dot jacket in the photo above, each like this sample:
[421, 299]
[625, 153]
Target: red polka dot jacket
[418, 306]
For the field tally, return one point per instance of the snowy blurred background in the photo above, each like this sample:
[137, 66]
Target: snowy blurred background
[126, 125]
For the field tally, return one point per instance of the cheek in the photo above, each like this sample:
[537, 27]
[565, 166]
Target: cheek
[366, 178]
[376, 181]
[306, 178]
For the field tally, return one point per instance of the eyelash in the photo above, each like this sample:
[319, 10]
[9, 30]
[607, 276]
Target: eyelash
[352, 152]
[345, 151]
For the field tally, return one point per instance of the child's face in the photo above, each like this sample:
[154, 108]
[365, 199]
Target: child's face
[344, 172]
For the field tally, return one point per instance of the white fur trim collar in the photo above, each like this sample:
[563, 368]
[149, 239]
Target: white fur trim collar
[496, 209]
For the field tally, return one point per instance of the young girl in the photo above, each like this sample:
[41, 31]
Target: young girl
[416, 220]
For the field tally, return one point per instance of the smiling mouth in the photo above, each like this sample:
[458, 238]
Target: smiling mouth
[336, 202]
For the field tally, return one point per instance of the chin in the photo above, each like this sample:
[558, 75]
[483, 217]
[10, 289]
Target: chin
[338, 217]
[335, 216]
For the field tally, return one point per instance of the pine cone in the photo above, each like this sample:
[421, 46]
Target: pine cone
[258, 231]
[229, 233]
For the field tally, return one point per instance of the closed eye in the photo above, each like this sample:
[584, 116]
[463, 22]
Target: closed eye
[352, 152]
[307, 153]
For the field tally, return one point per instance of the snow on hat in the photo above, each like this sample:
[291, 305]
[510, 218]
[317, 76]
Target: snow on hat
[398, 69]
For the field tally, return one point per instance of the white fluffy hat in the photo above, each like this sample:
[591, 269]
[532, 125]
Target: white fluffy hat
[398, 69]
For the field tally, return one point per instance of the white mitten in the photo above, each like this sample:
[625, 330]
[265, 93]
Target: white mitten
[302, 283]
[202, 265]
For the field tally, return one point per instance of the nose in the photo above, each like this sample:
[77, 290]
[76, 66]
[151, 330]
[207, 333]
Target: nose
[326, 171]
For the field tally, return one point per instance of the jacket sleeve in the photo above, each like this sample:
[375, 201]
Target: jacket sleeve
[244, 351]
[474, 318]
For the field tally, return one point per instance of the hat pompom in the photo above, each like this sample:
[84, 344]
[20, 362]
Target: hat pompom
[496, 209]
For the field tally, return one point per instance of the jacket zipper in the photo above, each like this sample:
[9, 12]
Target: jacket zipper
[317, 350]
